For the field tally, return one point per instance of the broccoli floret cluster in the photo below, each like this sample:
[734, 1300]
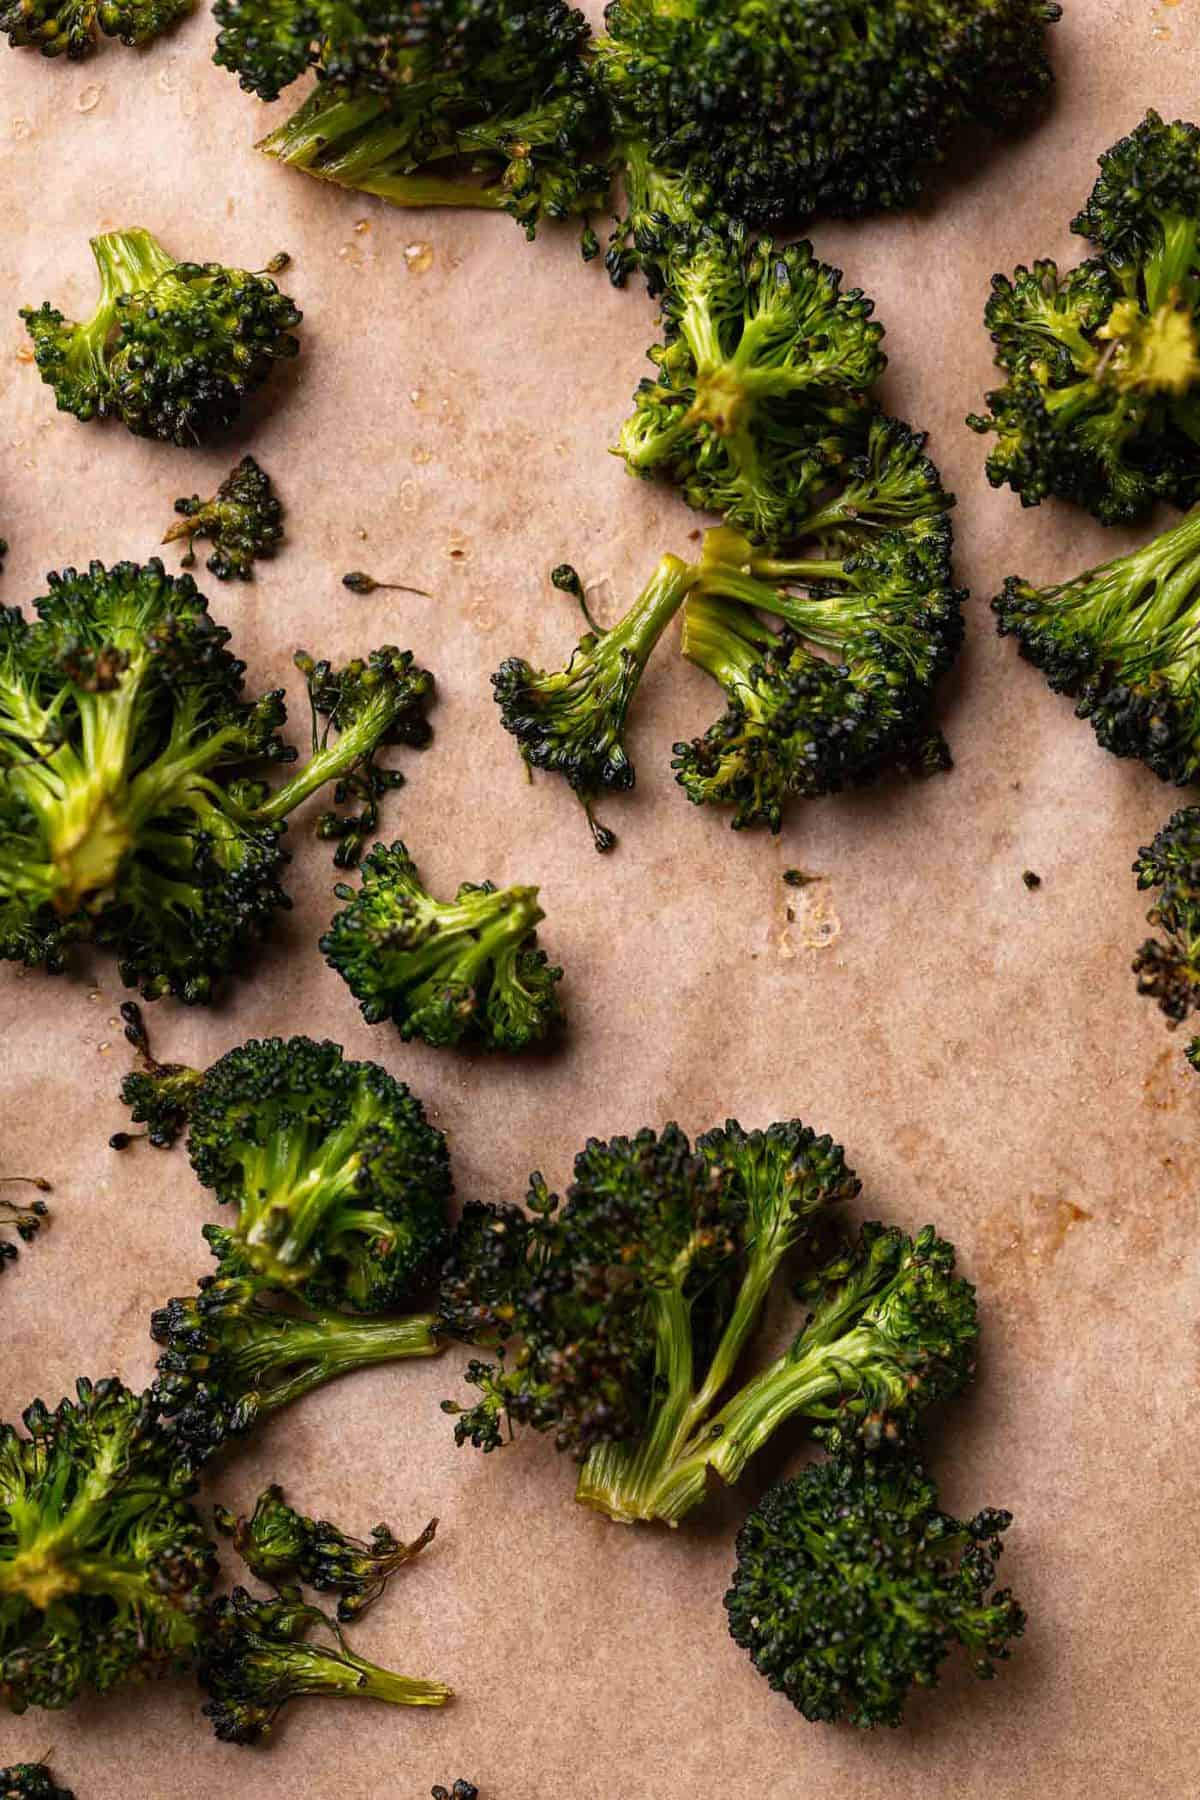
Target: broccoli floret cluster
[1101, 401]
[1123, 641]
[243, 521]
[1168, 966]
[445, 971]
[31, 1781]
[462, 1790]
[131, 814]
[852, 1587]
[72, 28]
[618, 1319]
[172, 349]
[24, 1219]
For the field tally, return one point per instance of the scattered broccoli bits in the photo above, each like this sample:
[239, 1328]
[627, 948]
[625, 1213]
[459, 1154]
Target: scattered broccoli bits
[446, 971]
[243, 521]
[1168, 966]
[72, 28]
[852, 1588]
[173, 348]
[1121, 641]
[24, 1219]
[1101, 404]
[462, 1790]
[31, 1781]
[131, 813]
[617, 1320]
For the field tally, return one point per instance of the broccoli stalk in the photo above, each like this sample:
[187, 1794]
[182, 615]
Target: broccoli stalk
[172, 349]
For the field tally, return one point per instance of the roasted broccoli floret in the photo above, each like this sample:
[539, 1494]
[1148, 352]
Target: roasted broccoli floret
[238, 1349]
[618, 1321]
[31, 1781]
[172, 349]
[773, 115]
[852, 1587]
[105, 1570]
[283, 1547]
[130, 809]
[23, 1219]
[572, 720]
[72, 28]
[243, 521]
[462, 1790]
[447, 971]
[447, 103]
[1123, 641]
[255, 1657]
[1102, 399]
[1168, 967]
[761, 378]
[158, 1095]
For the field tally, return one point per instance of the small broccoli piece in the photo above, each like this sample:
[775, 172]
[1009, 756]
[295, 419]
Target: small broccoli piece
[462, 1790]
[243, 520]
[761, 378]
[158, 1095]
[31, 1781]
[105, 1570]
[238, 1349]
[72, 28]
[852, 1587]
[23, 1220]
[572, 720]
[1122, 641]
[129, 811]
[173, 348]
[618, 1320]
[446, 971]
[1168, 968]
[255, 1657]
[280, 1547]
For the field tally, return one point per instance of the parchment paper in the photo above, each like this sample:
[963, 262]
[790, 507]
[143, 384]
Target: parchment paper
[978, 1047]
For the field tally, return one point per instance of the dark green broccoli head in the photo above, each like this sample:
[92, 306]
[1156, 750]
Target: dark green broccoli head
[104, 1566]
[1168, 967]
[572, 720]
[761, 378]
[72, 28]
[238, 1349]
[837, 109]
[1143, 214]
[1121, 640]
[256, 1656]
[243, 521]
[173, 348]
[31, 1781]
[24, 1219]
[852, 1587]
[281, 1546]
[446, 971]
[340, 1182]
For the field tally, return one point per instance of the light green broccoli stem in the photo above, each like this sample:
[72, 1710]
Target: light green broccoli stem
[727, 642]
[295, 1191]
[308, 1669]
[1140, 608]
[635, 636]
[333, 761]
[1170, 270]
[331, 1345]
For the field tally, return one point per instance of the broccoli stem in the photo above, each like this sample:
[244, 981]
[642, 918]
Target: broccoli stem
[319, 1350]
[727, 643]
[1170, 270]
[307, 1669]
[291, 1187]
[331, 761]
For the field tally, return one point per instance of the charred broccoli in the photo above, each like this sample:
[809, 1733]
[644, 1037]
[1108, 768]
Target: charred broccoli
[1168, 968]
[852, 1587]
[31, 1781]
[158, 1095]
[72, 28]
[443, 970]
[130, 810]
[1123, 641]
[172, 349]
[23, 1220]
[618, 1321]
[1102, 399]
[462, 1790]
[243, 521]
[280, 1547]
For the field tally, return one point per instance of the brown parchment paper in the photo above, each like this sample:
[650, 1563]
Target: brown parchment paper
[978, 1047]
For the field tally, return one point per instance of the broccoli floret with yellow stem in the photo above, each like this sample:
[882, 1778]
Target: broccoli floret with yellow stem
[31, 1781]
[243, 521]
[281, 1546]
[256, 1656]
[852, 1587]
[24, 1219]
[445, 971]
[572, 720]
[173, 348]
[72, 28]
[130, 810]
[1168, 966]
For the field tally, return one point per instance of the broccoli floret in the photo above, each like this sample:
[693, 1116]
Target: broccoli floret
[447, 103]
[23, 1219]
[462, 1790]
[172, 349]
[280, 1547]
[255, 1657]
[618, 1321]
[129, 814]
[852, 1587]
[72, 28]
[31, 1781]
[238, 1349]
[762, 378]
[158, 1095]
[572, 720]
[444, 970]
[1168, 968]
[1123, 641]
[774, 115]
[243, 520]
[105, 1570]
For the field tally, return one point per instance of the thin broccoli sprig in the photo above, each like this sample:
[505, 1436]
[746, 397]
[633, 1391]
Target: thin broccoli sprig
[24, 1219]
[243, 521]
[72, 28]
[446, 971]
